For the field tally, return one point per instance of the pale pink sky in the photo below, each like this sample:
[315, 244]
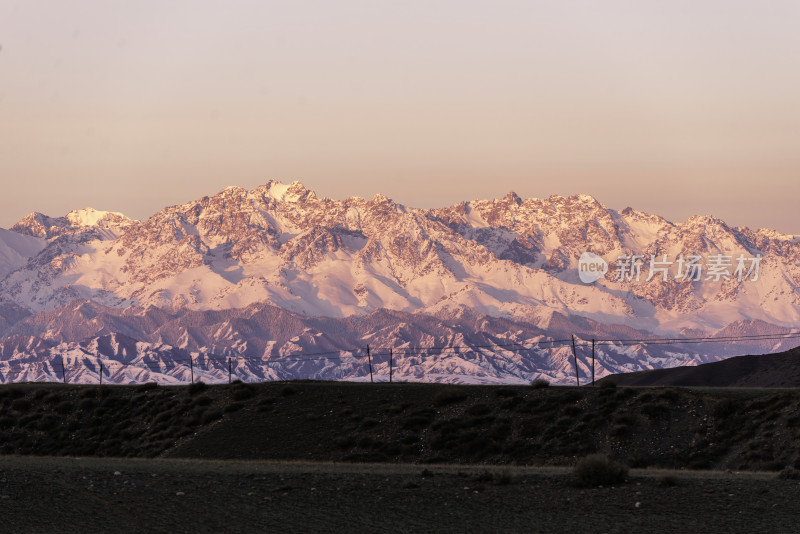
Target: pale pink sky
[673, 107]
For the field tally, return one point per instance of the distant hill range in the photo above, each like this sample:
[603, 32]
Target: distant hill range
[766, 371]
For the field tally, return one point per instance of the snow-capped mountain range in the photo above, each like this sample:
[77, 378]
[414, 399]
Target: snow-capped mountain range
[483, 272]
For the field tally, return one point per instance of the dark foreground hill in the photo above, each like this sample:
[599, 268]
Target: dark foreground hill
[766, 371]
[407, 423]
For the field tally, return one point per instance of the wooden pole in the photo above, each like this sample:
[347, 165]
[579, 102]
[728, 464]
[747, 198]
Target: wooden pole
[101, 373]
[369, 358]
[63, 372]
[575, 357]
[229, 370]
[593, 362]
[390, 365]
[191, 366]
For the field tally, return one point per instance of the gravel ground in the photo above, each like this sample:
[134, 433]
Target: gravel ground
[119, 495]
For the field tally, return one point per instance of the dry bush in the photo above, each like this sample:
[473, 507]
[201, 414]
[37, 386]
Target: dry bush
[607, 383]
[197, 387]
[449, 396]
[598, 470]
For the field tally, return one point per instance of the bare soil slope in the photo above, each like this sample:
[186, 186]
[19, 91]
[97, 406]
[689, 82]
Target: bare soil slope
[780, 370]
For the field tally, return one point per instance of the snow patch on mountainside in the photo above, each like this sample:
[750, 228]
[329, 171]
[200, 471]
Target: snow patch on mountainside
[16, 249]
[506, 257]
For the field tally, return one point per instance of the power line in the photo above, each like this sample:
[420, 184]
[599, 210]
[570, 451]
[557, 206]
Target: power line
[351, 355]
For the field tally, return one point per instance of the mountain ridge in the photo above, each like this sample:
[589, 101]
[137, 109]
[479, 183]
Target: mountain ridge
[281, 245]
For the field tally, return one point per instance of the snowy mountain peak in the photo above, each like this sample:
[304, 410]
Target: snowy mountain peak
[40, 225]
[75, 222]
[379, 198]
[93, 217]
[293, 192]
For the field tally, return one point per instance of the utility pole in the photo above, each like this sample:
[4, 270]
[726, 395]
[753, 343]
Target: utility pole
[369, 358]
[390, 366]
[592, 361]
[575, 358]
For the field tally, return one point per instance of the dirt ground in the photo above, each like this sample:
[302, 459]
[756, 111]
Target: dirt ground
[143, 495]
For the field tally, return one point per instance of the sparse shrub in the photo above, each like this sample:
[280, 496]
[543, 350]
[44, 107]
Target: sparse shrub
[345, 442]
[670, 395]
[511, 403]
[658, 410]
[163, 417]
[368, 442]
[725, 408]
[112, 403]
[87, 404]
[52, 398]
[505, 392]
[7, 421]
[449, 396]
[396, 408]
[49, 422]
[789, 473]
[540, 383]
[483, 476]
[369, 422]
[205, 400]
[197, 387]
[211, 416]
[147, 386]
[598, 470]
[15, 392]
[667, 481]
[192, 422]
[242, 392]
[609, 383]
[28, 419]
[503, 478]
[619, 429]
[500, 430]
[21, 404]
[640, 461]
[234, 407]
[625, 393]
[409, 439]
[287, 391]
[479, 409]
[416, 422]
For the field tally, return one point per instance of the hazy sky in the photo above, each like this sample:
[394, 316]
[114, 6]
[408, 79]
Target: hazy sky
[673, 107]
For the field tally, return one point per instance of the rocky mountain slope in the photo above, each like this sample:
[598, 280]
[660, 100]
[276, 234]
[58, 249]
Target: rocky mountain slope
[333, 263]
